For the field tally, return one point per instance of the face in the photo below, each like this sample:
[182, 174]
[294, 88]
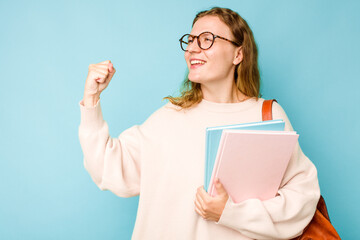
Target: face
[217, 64]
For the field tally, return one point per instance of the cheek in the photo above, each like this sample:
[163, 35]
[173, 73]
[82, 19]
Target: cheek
[221, 62]
[186, 56]
[215, 58]
[187, 59]
[223, 59]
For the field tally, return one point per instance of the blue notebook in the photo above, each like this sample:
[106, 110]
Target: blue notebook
[213, 136]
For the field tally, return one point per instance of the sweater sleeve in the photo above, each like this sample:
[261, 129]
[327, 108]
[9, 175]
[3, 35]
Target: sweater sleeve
[286, 215]
[113, 163]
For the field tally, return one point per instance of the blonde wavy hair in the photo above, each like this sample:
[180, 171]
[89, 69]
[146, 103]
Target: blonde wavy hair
[246, 74]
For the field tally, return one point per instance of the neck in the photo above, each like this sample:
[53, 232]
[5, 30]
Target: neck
[223, 93]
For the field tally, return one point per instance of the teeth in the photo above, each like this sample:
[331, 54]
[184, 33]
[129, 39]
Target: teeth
[197, 62]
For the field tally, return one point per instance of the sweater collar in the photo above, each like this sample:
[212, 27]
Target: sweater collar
[226, 107]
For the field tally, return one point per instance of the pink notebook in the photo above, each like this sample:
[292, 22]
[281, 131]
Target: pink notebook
[251, 164]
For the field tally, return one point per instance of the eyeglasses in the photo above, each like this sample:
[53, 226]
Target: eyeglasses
[204, 40]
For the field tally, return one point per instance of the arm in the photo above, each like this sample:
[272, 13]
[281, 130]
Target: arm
[113, 163]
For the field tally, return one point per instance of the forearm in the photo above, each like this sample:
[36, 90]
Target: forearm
[93, 136]
[111, 162]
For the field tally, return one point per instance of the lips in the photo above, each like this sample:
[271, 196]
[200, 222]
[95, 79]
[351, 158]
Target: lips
[196, 62]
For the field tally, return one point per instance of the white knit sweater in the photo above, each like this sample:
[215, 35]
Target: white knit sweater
[163, 160]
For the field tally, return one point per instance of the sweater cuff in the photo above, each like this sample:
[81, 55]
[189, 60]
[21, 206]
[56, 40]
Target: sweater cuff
[232, 214]
[91, 117]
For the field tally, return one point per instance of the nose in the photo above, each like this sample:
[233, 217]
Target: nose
[193, 47]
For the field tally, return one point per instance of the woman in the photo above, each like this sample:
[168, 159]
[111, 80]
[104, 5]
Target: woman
[163, 159]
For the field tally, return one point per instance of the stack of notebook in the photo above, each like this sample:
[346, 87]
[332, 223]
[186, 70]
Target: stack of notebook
[249, 159]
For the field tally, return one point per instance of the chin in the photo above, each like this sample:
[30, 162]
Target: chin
[199, 79]
[194, 78]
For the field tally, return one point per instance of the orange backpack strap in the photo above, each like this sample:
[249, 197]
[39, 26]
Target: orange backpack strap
[267, 110]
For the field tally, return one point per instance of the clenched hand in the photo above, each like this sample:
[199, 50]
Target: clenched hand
[211, 208]
[98, 79]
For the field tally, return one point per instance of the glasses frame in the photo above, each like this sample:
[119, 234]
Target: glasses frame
[198, 41]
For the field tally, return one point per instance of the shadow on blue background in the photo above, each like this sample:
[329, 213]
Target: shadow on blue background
[309, 62]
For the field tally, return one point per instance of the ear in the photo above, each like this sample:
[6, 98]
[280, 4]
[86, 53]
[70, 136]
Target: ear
[238, 56]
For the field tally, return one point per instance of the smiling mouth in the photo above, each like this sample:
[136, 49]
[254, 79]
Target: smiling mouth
[197, 62]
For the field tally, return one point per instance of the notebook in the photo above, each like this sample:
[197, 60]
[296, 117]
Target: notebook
[213, 135]
[251, 164]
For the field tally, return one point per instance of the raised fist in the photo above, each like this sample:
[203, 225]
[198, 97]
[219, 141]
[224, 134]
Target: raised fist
[97, 80]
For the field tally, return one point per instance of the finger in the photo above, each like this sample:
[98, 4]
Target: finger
[199, 212]
[99, 77]
[204, 195]
[99, 65]
[219, 187]
[110, 67]
[198, 206]
[99, 70]
[103, 67]
[200, 201]
[111, 70]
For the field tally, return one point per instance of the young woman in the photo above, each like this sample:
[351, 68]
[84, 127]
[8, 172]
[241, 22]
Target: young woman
[162, 160]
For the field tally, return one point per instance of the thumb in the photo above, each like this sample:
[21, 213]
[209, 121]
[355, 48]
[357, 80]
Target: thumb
[219, 187]
[111, 70]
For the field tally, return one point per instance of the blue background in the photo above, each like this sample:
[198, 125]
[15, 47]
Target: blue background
[309, 60]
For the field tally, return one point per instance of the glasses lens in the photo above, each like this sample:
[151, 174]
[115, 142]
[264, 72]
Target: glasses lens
[184, 41]
[206, 40]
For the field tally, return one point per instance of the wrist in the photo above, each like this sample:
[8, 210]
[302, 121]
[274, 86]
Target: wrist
[91, 100]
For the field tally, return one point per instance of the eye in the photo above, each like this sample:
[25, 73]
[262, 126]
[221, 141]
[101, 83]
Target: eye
[208, 39]
[190, 39]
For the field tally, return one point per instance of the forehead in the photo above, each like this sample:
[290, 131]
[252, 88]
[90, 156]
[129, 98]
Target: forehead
[211, 24]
